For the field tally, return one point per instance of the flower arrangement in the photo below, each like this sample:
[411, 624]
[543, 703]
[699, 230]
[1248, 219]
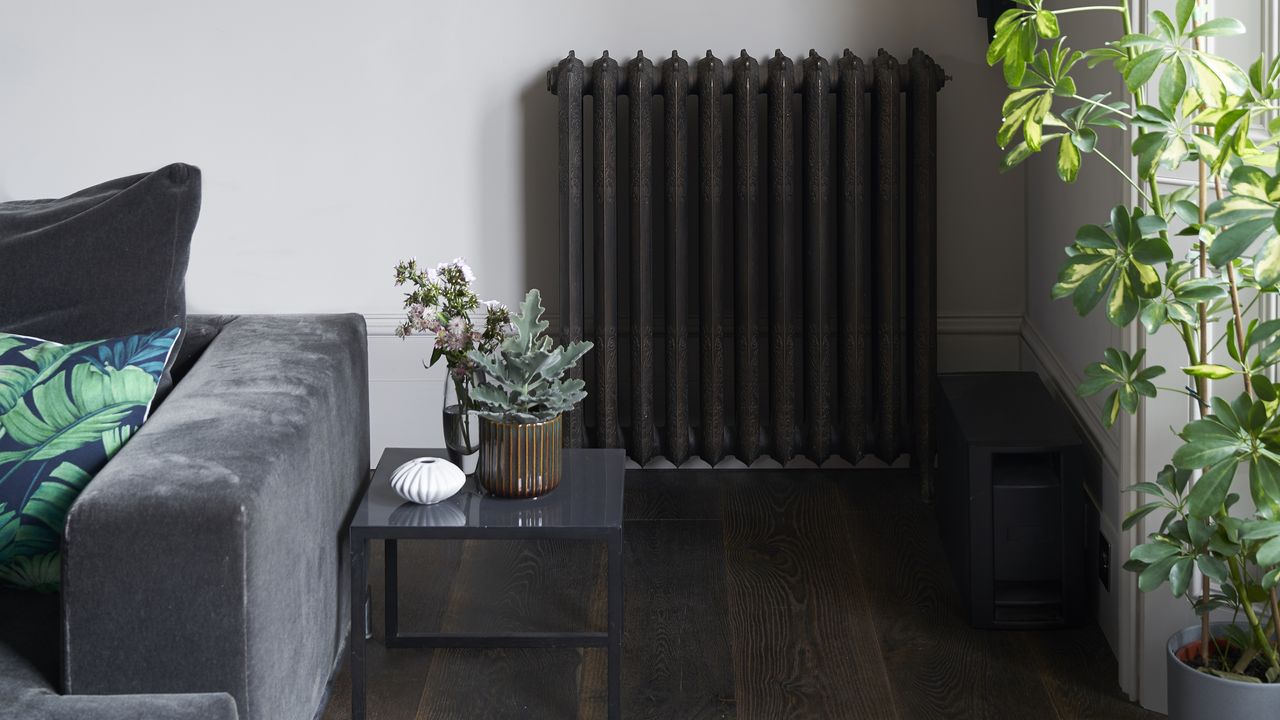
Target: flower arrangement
[441, 302]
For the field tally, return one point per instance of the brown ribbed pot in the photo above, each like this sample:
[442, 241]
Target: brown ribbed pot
[520, 460]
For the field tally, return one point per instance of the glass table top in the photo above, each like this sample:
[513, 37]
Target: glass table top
[589, 497]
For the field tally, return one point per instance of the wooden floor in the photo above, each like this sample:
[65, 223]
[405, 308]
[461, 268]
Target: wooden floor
[748, 595]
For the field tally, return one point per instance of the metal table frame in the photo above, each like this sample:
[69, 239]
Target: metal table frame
[359, 544]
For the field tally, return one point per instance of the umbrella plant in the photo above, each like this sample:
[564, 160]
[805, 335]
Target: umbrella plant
[1194, 262]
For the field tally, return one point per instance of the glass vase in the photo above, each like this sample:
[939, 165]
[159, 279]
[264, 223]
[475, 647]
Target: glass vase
[461, 424]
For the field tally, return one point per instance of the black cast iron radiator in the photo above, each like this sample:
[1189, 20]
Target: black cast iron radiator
[776, 237]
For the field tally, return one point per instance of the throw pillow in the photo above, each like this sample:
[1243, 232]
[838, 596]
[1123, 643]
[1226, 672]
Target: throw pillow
[108, 261]
[65, 410]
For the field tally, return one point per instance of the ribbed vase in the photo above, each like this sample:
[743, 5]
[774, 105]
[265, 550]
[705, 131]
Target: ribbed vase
[520, 460]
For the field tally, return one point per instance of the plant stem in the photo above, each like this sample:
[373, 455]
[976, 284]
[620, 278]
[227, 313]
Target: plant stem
[1188, 339]
[1116, 8]
[1254, 624]
[464, 407]
[1247, 309]
[1203, 312]
[1180, 391]
[1231, 287]
[1275, 612]
[1124, 175]
[1095, 103]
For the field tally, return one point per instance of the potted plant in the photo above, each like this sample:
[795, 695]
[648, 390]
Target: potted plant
[520, 404]
[1192, 262]
[441, 303]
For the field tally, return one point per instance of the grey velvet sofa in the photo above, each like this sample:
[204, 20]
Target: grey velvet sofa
[203, 566]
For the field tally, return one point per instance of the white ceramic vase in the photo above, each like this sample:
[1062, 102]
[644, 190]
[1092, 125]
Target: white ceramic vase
[427, 480]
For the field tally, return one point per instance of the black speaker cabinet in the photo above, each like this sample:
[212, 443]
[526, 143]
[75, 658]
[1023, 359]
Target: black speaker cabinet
[1010, 500]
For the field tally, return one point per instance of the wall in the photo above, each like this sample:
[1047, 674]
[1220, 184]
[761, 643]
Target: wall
[336, 138]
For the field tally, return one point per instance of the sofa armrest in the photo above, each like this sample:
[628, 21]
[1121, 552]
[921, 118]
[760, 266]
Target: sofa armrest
[206, 556]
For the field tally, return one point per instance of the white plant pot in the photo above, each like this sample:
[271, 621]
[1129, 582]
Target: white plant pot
[427, 480]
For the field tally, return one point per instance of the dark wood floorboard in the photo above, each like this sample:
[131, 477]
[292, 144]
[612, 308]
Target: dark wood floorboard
[677, 658]
[749, 595]
[1079, 673]
[804, 638]
[512, 586]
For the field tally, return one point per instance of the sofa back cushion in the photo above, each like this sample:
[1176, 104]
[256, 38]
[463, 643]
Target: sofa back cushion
[108, 261]
[64, 411]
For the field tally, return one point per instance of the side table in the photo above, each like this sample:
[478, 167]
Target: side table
[586, 506]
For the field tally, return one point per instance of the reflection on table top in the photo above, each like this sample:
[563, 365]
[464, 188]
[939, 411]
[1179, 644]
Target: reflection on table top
[589, 497]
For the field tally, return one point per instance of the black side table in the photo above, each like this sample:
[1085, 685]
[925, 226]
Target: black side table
[586, 506]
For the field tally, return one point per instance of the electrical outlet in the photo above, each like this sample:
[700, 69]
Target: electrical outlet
[1104, 562]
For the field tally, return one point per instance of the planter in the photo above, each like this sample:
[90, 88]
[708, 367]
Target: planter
[520, 460]
[1194, 695]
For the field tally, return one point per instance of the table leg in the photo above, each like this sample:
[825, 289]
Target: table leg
[356, 639]
[391, 551]
[615, 625]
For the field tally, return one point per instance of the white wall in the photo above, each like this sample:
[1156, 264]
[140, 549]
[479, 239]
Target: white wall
[338, 137]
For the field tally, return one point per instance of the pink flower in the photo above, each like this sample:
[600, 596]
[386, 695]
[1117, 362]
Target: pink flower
[455, 341]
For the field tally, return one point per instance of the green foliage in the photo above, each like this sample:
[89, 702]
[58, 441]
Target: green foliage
[1127, 377]
[1117, 260]
[524, 379]
[1184, 105]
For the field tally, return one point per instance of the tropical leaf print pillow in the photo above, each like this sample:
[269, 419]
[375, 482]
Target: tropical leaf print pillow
[65, 410]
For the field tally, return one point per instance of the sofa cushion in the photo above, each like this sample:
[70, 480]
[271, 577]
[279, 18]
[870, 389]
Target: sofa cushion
[108, 261]
[64, 411]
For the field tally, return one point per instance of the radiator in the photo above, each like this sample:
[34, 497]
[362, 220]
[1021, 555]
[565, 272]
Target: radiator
[767, 282]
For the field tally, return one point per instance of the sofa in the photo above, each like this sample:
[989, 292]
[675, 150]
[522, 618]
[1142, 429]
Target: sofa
[203, 567]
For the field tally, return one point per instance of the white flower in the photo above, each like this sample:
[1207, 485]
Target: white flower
[457, 325]
[493, 306]
[462, 267]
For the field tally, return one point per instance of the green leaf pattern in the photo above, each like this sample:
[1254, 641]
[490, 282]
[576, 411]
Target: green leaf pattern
[65, 410]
